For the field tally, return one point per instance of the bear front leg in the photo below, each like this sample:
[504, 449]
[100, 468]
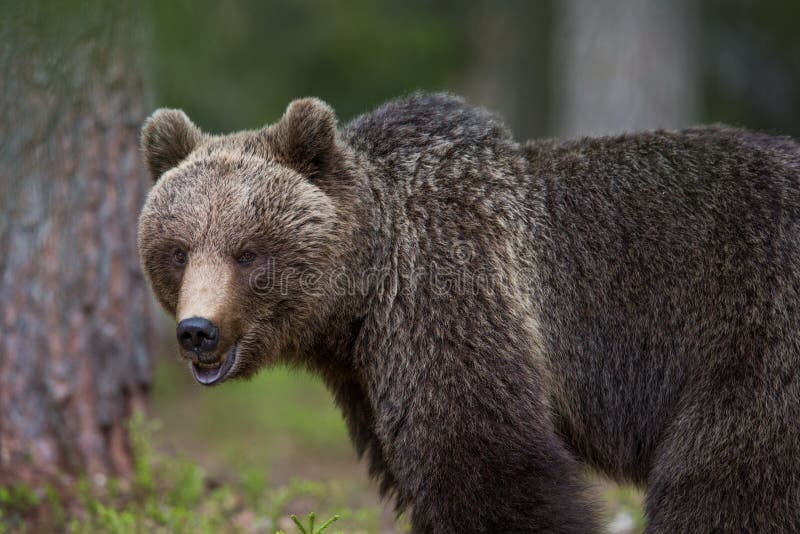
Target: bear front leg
[472, 449]
[497, 490]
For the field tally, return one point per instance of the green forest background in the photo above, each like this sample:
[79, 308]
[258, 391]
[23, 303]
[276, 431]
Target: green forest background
[236, 64]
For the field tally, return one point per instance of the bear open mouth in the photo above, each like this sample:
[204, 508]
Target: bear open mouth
[210, 374]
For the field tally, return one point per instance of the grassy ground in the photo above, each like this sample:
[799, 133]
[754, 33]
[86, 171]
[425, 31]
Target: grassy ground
[281, 428]
[243, 457]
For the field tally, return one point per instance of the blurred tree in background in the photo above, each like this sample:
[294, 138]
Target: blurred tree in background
[74, 351]
[625, 66]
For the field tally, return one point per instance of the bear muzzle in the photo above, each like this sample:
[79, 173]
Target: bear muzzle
[199, 338]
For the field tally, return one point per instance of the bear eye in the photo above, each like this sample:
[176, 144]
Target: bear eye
[179, 257]
[246, 258]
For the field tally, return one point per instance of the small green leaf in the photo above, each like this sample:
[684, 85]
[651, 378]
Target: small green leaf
[327, 523]
[299, 525]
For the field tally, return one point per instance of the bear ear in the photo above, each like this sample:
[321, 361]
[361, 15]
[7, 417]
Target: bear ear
[168, 136]
[305, 137]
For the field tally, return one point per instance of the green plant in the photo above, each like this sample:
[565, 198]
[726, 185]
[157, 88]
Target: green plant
[311, 530]
[16, 501]
[254, 486]
[141, 431]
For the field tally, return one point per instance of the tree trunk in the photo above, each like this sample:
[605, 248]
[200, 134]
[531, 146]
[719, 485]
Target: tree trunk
[74, 346]
[625, 65]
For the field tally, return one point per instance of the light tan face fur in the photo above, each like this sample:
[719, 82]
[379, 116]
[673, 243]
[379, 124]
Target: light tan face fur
[228, 232]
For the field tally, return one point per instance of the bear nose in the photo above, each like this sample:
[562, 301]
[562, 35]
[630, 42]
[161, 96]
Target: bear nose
[197, 334]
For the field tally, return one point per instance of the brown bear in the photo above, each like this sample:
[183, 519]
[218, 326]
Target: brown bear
[494, 317]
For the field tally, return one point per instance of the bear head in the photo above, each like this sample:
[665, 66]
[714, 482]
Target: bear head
[239, 230]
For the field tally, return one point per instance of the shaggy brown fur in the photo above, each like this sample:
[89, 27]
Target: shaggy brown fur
[491, 317]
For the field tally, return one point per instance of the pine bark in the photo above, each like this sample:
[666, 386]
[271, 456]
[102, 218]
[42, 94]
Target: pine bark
[75, 314]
